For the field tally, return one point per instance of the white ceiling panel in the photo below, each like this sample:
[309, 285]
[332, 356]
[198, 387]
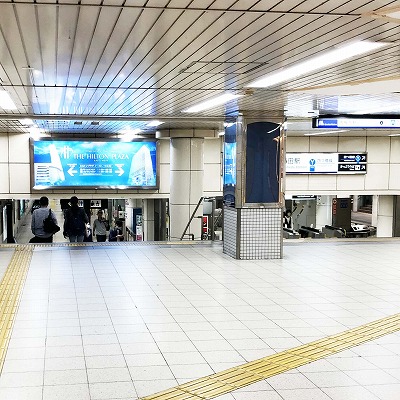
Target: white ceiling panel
[68, 61]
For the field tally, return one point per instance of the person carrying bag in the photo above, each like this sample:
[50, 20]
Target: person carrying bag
[44, 223]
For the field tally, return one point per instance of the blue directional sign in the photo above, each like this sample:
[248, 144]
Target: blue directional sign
[59, 163]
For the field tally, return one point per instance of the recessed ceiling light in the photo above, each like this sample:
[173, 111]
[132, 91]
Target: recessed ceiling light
[216, 101]
[312, 64]
[155, 123]
[129, 134]
[26, 121]
[6, 101]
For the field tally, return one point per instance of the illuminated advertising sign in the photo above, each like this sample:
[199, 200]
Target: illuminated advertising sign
[103, 164]
[326, 163]
[230, 163]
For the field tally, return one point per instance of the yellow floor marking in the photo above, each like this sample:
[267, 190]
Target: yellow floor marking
[234, 378]
[10, 293]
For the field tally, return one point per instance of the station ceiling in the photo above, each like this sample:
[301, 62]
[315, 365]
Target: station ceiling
[102, 66]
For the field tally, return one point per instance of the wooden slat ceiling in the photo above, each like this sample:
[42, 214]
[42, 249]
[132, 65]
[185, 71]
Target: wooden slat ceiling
[152, 59]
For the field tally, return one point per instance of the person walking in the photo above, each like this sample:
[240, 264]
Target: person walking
[38, 216]
[75, 220]
[100, 225]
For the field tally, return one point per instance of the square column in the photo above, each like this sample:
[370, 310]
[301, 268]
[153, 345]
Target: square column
[253, 196]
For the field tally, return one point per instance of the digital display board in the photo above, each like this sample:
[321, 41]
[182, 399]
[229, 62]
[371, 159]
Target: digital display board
[229, 167]
[326, 163]
[230, 163]
[94, 164]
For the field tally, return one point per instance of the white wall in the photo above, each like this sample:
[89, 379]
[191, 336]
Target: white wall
[383, 166]
[15, 172]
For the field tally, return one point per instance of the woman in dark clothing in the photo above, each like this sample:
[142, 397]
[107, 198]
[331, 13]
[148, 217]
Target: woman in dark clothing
[75, 222]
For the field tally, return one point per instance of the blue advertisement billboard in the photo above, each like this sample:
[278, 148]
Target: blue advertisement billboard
[103, 164]
[230, 163]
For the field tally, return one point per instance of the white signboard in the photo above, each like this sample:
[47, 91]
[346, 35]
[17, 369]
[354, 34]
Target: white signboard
[326, 163]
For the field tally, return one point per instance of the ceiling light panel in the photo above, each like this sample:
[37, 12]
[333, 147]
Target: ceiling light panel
[317, 63]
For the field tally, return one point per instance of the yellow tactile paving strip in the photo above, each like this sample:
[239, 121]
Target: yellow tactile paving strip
[10, 293]
[235, 378]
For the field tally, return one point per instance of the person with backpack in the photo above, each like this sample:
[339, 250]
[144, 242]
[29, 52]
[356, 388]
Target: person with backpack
[75, 220]
[38, 216]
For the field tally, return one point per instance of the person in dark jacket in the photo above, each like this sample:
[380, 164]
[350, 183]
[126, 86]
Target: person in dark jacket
[38, 216]
[75, 220]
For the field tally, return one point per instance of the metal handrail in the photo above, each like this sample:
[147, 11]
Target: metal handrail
[191, 218]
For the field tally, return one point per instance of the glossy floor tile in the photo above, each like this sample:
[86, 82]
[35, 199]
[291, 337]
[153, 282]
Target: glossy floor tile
[126, 321]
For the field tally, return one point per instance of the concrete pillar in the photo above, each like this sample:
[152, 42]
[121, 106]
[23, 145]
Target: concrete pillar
[384, 226]
[148, 219]
[186, 184]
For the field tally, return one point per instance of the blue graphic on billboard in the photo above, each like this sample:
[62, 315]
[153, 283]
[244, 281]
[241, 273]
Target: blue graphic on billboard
[58, 163]
[229, 163]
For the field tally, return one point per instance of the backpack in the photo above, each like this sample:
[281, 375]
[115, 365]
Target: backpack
[75, 223]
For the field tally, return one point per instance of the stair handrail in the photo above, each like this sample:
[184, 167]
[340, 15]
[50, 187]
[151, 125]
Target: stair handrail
[191, 218]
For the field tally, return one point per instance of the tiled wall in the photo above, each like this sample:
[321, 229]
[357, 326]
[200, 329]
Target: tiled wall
[230, 226]
[260, 233]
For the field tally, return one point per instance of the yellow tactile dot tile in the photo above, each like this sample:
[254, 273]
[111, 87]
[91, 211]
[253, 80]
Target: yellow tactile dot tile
[10, 291]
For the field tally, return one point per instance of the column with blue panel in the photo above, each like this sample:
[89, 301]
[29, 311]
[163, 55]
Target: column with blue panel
[253, 198]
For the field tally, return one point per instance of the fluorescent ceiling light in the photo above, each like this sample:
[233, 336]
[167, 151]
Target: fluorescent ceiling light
[154, 123]
[6, 101]
[129, 134]
[35, 132]
[394, 134]
[325, 133]
[216, 101]
[221, 133]
[26, 122]
[327, 59]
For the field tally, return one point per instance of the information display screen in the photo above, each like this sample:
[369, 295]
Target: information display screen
[230, 163]
[94, 164]
[326, 163]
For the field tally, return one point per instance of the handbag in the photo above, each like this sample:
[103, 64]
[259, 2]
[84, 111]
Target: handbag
[49, 226]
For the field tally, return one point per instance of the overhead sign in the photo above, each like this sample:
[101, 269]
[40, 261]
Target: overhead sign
[326, 163]
[356, 123]
[107, 164]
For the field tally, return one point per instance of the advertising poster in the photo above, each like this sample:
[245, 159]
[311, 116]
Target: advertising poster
[58, 163]
[230, 164]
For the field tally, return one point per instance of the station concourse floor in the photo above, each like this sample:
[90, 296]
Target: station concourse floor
[127, 320]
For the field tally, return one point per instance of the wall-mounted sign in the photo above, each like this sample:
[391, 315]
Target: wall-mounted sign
[326, 163]
[103, 164]
[356, 123]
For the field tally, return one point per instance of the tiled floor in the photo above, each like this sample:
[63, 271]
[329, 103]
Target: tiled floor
[121, 322]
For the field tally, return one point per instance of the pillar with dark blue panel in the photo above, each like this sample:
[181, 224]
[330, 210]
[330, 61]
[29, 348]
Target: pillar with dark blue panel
[253, 195]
